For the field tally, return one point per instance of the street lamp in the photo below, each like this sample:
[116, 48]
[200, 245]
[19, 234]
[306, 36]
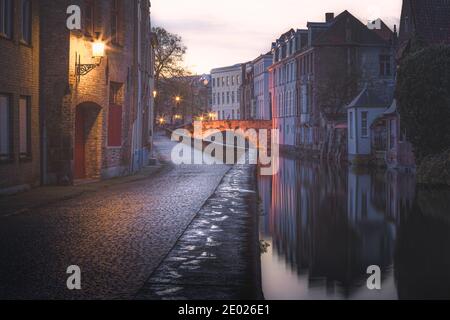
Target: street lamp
[98, 53]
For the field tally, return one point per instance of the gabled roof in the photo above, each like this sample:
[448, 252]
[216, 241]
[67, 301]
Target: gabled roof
[431, 19]
[336, 34]
[384, 31]
[392, 109]
[286, 36]
[367, 98]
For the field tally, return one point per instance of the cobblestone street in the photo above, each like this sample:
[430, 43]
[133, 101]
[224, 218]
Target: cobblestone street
[118, 236]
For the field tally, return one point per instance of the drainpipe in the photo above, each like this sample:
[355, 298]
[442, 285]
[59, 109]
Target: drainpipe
[43, 143]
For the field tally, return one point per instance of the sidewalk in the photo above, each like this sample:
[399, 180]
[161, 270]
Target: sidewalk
[39, 197]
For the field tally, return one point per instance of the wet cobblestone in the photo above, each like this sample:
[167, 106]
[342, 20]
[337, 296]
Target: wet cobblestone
[216, 258]
[117, 236]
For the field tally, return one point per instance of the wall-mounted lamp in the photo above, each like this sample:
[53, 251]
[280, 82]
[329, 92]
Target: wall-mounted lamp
[98, 53]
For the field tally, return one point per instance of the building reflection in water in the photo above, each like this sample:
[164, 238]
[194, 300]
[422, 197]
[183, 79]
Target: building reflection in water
[327, 225]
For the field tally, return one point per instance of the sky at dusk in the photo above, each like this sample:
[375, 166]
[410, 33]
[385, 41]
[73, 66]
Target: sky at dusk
[224, 32]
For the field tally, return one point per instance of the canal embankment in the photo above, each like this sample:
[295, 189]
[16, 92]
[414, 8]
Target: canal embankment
[218, 255]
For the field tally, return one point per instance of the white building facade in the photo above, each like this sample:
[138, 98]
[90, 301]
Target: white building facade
[361, 114]
[261, 87]
[226, 83]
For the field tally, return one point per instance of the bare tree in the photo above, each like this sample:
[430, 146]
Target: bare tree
[337, 91]
[168, 55]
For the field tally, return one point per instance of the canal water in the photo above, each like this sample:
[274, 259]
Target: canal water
[321, 228]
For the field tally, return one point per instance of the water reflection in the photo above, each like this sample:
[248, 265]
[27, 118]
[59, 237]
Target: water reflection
[326, 225]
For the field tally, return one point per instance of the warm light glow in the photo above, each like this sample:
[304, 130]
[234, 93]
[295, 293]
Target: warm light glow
[161, 120]
[177, 99]
[98, 49]
[201, 118]
[155, 94]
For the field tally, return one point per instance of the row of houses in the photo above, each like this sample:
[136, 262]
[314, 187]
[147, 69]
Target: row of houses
[76, 103]
[329, 88]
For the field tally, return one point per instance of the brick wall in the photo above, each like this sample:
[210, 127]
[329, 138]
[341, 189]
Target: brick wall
[62, 93]
[19, 76]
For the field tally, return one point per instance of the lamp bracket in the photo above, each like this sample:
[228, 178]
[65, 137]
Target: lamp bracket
[82, 69]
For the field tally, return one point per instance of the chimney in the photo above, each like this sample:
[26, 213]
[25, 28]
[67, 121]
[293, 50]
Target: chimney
[329, 16]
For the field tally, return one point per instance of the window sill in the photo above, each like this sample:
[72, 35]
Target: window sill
[25, 158]
[5, 37]
[26, 44]
[114, 147]
[6, 161]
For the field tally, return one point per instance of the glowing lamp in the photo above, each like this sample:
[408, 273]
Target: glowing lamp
[98, 49]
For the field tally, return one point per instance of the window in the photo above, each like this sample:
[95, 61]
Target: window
[385, 65]
[26, 21]
[214, 82]
[232, 97]
[116, 6]
[25, 127]
[351, 125]
[6, 18]
[5, 128]
[115, 115]
[89, 17]
[392, 134]
[228, 97]
[364, 125]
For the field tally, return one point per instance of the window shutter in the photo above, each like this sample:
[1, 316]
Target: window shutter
[115, 126]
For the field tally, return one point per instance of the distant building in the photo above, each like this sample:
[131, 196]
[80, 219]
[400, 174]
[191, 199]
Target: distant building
[247, 89]
[226, 83]
[263, 107]
[316, 71]
[361, 114]
[282, 85]
[427, 20]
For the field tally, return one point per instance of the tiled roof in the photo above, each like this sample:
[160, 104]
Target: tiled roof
[384, 32]
[432, 19]
[336, 33]
[368, 99]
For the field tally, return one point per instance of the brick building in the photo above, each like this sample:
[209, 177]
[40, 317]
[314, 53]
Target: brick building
[95, 122]
[318, 70]
[19, 95]
[95, 114]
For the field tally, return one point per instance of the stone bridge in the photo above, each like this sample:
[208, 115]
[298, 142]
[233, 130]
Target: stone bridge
[240, 127]
[223, 125]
